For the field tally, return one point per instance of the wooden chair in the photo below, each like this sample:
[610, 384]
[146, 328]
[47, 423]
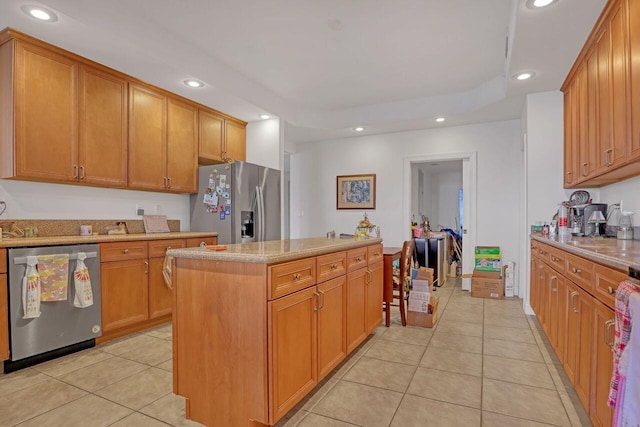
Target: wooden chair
[405, 274]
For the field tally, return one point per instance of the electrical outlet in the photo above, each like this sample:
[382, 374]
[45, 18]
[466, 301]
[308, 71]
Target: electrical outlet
[158, 209]
[139, 210]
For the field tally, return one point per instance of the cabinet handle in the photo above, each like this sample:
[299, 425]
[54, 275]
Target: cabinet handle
[146, 267]
[321, 299]
[607, 333]
[610, 290]
[125, 251]
[75, 172]
[554, 259]
[297, 276]
[369, 276]
[607, 158]
[169, 180]
[573, 306]
[359, 259]
[334, 267]
[168, 247]
[82, 173]
[568, 179]
[551, 283]
[576, 270]
[316, 295]
[584, 169]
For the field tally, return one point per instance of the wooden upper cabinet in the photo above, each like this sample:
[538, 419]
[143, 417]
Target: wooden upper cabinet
[603, 48]
[103, 128]
[46, 114]
[588, 153]
[235, 140]
[211, 137]
[570, 134]
[634, 78]
[182, 147]
[147, 138]
[615, 154]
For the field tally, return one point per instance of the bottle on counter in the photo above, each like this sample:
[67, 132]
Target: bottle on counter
[563, 222]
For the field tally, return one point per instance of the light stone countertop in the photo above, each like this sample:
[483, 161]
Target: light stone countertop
[16, 242]
[274, 251]
[618, 254]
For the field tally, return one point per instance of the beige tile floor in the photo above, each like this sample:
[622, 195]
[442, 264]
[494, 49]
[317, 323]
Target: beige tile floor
[484, 364]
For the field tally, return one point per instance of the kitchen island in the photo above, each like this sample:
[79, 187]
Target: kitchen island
[257, 326]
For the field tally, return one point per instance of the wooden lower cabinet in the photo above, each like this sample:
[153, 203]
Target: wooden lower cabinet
[124, 292]
[332, 316]
[293, 347]
[356, 308]
[272, 348]
[578, 313]
[601, 364]
[4, 307]
[374, 296]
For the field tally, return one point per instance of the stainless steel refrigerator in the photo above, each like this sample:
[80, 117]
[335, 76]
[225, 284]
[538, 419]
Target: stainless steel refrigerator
[240, 201]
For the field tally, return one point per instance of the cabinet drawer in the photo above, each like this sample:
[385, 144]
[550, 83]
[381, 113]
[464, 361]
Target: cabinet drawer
[198, 241]
[291, 276]
[557, 259]
[374, 254]
[122, 251]
[356, 258]
[331, 265]
[606, 283]
[580, 271]
[3, 260]
[158, 248]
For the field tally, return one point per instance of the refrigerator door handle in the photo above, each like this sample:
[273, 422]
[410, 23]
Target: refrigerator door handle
[260, 213]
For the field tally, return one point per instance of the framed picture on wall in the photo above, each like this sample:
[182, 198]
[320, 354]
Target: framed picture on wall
[356, 192]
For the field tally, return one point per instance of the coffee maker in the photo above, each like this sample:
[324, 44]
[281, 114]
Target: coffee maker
[579, 219]
[589, 228]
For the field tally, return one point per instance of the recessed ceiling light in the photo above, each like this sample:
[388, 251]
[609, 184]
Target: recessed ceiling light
[537, 4]
[264, 116]
[440, 119]
[41, 13]
[526, 75]
[358, 129]
[193, 83]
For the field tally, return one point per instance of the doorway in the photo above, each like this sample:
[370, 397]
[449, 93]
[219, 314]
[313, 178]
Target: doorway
[412, 193]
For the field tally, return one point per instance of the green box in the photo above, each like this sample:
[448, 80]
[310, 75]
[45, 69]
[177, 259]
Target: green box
[487, 258]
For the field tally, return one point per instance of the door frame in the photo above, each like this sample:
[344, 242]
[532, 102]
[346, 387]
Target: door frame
[469, 191]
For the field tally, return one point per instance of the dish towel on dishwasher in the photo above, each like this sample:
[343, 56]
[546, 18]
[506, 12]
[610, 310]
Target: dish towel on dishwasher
[31, 290]
[54, 277]
[82, 282]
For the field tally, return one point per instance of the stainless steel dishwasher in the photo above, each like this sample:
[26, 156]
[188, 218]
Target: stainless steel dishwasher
[61, 328]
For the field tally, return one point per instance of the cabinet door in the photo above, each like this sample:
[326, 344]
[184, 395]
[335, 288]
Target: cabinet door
[160, 296]
[4, 316]
[46, 114]
[572, 344]
[332, 337]
[617, 152]
[198, 241]
[601, 364]
[582, 382]
[211, 137]
[147, 138]
[570, 134]
[357, 329]
[182, 147]
[533, 285]
[603, 47]
[125, 293]
[374, 297]
[588, 161]
[103, 128]
[543, 301]
[557, 313]
[235, 135]
[634, 73]
[293, 349]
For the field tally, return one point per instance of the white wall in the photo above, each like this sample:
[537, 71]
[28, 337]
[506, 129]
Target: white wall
[263, 143]
[315, 166]
[445, 188]
[32, 200]
[628, 191]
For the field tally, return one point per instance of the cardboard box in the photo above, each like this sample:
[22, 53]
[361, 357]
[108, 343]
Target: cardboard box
[487, 258]
[425, 273]
[485, 284]
[419, 301]
[426, 320]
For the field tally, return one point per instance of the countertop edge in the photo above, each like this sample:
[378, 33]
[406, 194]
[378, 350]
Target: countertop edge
[210, 255]
[609, 261]
[19, 242]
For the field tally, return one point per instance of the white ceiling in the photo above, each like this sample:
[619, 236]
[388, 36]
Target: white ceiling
[326, 66]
